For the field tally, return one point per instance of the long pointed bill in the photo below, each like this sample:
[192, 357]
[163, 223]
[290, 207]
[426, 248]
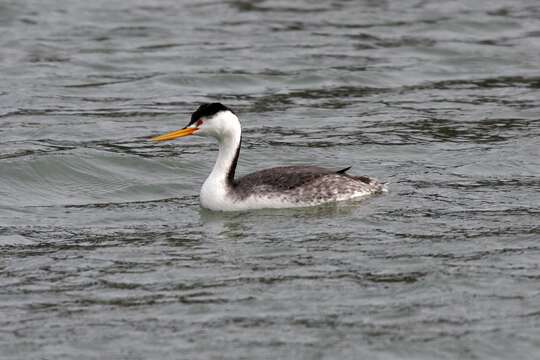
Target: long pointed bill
[175, 134]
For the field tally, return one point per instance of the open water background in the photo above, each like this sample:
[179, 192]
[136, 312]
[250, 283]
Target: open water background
[105, 252]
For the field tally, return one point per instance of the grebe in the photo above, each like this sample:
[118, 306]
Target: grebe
[279, 187]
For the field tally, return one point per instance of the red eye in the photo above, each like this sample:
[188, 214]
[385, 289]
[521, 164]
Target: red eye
[199, 123]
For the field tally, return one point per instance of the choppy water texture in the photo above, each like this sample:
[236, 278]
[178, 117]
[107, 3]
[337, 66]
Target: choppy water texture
[105, 252]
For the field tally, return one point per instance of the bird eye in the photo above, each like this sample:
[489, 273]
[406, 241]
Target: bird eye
[199, 123]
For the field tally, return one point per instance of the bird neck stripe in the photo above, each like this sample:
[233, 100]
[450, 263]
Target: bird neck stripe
[232, 168]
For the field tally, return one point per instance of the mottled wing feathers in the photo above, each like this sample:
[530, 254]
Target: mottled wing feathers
[281, 178]
[304, 184]
[285, 177]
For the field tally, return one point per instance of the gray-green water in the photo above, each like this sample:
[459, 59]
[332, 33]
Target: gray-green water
[105, 252]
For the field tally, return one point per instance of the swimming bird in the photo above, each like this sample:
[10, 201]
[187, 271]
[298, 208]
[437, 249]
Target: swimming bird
[278, 187]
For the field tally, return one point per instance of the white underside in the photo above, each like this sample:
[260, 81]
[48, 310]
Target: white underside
[216, 200]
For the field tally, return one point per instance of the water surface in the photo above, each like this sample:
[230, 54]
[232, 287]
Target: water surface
[105, 251]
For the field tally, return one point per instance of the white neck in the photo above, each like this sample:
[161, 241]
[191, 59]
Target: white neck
[228, 146]
[216, 187]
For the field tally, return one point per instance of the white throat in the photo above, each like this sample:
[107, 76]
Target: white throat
[215, 190]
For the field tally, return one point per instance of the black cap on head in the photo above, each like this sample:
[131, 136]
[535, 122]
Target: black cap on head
[208, 110]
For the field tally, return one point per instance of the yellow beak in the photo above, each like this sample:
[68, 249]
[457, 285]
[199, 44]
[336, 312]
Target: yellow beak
[175, 134]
